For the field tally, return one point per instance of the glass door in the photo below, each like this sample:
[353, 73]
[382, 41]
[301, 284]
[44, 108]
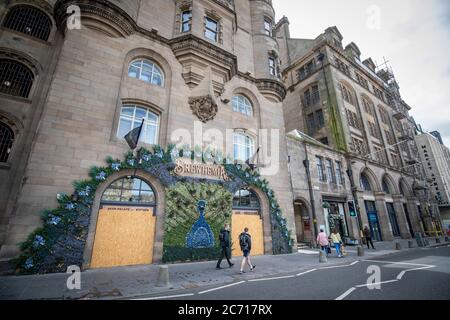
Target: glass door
[373, 220]
[393, 219]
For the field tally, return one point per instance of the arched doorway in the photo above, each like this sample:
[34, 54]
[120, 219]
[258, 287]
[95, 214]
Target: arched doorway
[405, 192]
[126, 224]
[247, 214]
[368, 185]
[303, 223]
[388, 188]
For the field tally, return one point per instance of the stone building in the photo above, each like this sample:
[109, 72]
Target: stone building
[71, 89]
[351, 105]
[435, 157]
[324, 189]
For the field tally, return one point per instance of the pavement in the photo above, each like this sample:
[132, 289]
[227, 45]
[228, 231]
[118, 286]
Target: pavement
[139, 282]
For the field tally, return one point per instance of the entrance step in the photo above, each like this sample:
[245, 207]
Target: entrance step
[303, 245]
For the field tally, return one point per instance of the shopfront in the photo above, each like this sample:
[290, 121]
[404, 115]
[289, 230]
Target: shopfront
[335, 216]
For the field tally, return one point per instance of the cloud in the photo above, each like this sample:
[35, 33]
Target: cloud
[413, 36]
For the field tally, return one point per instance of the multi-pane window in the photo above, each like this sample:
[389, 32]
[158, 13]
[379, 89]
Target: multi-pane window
[330, 171]
[396, 160]
[380, 155]
[385, 186]
[362, 81]
[397, 125]
[243, 147]
[131, 117]
[268, 25]
[343, 67]
[359, 147]
[353, 120]
[378, 93]
[306, 70]
[365, 183]
[186, 21]
[211, 29]
[389, 137]
[369, 107]
[15, 78]
[347, 94]
[147, 71]
[243, 105]
[315, 121]
[273, 67]
[374, 130]
[339, 176]
[320, 171]
[384, 116]
[320, 118]
[246, 199]
[311, 96]
[29, 20]
[129, 189]
[6, 142]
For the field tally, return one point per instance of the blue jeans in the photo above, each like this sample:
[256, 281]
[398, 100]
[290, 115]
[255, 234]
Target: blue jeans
[338, 248]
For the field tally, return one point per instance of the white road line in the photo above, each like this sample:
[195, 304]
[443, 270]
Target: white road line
[167, 297]
[268, 279]
[300, 274]
[401, 274]
[308, 252]
[222, 287]
[404, 263]
[353, 263]
[375, 284]
[345, 294]
[344, 266]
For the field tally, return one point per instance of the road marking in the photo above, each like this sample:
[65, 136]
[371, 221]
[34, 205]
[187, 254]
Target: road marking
[353, 263]
[222, 287]
[375, 283]
[308, 252]
[344, 266]
[345, 294]
[167, 297]
[300, 274]
[404, 263]
[401, 274]
[268, 279]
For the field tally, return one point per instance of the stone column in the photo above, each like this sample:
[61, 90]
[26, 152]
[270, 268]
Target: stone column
[414, 215]
[401, 217]
[383, 218]
[362, 208]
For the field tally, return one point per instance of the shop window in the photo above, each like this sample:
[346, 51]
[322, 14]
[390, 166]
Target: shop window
[245, 199]
[29, 20]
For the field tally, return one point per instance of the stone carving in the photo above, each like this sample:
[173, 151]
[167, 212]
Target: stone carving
[205, 108]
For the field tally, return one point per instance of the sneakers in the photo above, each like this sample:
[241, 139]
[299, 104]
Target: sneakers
[231, 265]
[253, 268]
[242, 272]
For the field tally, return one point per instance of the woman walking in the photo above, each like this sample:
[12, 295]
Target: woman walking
[337, 241]
[322, 240]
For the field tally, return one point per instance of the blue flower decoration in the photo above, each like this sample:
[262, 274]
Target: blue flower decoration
[146, 157]
[70, 206]
[29, 263]
[115, 166]
[160, 154]
[38, 241]
[85, 192]
[101, 176]
[131, 162]
[187, 154]
[175, 154]
[54, 220]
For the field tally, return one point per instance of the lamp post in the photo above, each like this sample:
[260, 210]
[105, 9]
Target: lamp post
[355, 198]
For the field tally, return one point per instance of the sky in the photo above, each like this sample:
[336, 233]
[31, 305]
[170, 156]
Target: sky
[412, 35]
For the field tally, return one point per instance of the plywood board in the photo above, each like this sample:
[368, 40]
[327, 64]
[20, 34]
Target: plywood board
[254, 223]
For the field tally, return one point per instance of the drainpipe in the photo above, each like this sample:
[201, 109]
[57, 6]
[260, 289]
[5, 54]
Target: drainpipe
[311, 193]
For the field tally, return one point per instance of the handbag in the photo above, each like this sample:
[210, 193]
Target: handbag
[328, 250]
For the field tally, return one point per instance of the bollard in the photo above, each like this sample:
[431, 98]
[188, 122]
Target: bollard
[163, 277]
[398, 246]
[438, 240]
[322, 257]
[426, 243]
[410, 244]
[360, 251]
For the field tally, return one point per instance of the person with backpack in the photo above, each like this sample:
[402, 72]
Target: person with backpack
[337, 242]
[245, 242]
[368, 237]
[322, 240]
[224, 239]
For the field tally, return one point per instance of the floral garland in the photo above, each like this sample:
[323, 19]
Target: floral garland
[60, 242]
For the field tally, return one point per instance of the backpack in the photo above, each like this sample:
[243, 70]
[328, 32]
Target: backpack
[221, 237]
[243, 240]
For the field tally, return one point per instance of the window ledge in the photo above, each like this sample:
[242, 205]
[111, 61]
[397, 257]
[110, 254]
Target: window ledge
[5, 166]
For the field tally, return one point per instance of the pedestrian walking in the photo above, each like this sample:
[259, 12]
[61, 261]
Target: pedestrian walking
[245, 242]
[337, 242]
[368, 236]
[225, 244]
[322, 240]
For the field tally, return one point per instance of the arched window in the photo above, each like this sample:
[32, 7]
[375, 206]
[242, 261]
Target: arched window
[29, 20]
[129, 190]
[131, 117]
[243, 146]
[246, 199]
[15, 78]
[365, 183]
[147, 71]
[347, 94]
[6, 142]
[385, 186]
[243, 105]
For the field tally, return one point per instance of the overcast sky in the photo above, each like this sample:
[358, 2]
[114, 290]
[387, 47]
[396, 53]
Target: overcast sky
[413, 35]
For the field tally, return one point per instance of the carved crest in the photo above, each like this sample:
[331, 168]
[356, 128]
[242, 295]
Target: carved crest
[204, 107]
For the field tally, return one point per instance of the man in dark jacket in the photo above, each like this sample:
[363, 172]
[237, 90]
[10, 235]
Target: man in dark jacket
[245, 242]
[224, 238]
[368, 237]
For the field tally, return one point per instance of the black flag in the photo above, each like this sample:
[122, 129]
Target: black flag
[252, 162]
[132, 137]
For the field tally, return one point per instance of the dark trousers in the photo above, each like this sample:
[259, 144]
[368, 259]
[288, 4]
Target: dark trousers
[225, 253]
[369, 240]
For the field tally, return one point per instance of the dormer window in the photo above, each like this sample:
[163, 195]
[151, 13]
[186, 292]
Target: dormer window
[211, 29]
